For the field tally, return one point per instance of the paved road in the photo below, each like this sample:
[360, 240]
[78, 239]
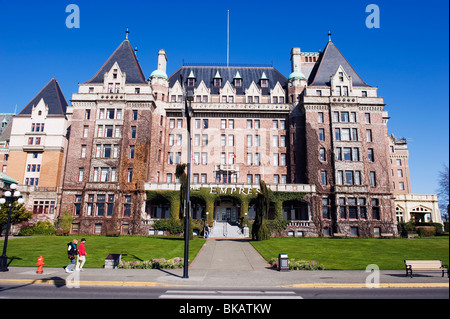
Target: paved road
[33, 291]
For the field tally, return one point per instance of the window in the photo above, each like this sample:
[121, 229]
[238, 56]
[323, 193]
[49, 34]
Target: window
[342, 208]
[172, 123]
[249, 140]
[264, 83]
[375, 208]
[257, 140]
[345, 134]
[373, 181]
[249, 158]
[133, 132]
[337, 134]
[399, 162]
[367, 117]
[282, 140]
[249, 179]
[249, 124]
[135, 115]
[217, 82]
[109, 129]
[100, 205]
[283, 159]
[130, 175]
[110, 114]
[352, 208]
[401, 186]
[349, 177]
[347, 154]
[81, 174]
[275, 100]
[132, 148]
[178, 158]
[275, 159]
[362, 208]
[275, 124]
[344, 116]
[231, 124]
[326, 208]
[371, 155]
[223, 140]
[171, 140]
[110, 205]
[205, 124]
[238, 83]
[205, 139]
[257, 124]
[275, 141]
[223, 124]
[282, 124]
[276, 179]
[323, 177]
[204, 158]
[83, 151]
[369, 136]
[321, 134]
[322, 155]
[230, 140]
[204, 179]
[364, 93]
[250, 99]
[107, 151]
[104, 177]
[320, 115]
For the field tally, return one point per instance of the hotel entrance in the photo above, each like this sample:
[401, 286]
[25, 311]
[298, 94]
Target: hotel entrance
[226, 210]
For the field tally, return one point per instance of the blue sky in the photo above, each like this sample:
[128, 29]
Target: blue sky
[407, 57]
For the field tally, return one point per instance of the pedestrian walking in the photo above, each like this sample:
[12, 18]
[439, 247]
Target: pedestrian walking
[81, 255]
[71, 253]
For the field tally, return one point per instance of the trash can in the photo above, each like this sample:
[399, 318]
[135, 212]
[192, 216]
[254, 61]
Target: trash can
[112, 261]
[283, 262]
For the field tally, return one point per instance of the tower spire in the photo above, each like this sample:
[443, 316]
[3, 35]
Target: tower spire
[329, 35]
[127, 32]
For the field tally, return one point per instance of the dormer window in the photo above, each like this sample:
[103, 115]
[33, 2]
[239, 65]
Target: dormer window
[217, 82]
[191, 79]
[264, 83]
[238, 83]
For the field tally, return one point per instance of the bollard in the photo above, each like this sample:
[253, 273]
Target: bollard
[40, 263]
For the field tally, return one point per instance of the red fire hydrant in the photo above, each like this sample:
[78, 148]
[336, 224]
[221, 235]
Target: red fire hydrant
[40, 263]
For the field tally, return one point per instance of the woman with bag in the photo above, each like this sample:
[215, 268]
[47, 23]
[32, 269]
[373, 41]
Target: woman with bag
[72, 253]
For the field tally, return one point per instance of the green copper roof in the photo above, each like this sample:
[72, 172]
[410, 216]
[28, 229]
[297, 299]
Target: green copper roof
[158, 74]
[297, 75]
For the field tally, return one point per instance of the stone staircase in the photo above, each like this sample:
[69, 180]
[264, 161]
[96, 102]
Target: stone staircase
[226, 230]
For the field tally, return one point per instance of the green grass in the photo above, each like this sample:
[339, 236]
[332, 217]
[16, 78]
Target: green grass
[356, 253]
[24, 252]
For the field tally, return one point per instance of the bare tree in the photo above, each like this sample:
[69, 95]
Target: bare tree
[443, 192]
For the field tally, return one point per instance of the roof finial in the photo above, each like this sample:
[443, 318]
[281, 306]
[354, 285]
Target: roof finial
[329, 35]
[127, 32]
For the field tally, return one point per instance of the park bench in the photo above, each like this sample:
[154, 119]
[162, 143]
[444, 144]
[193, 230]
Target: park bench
[339, 235]
[425, 265]
[61, 232]
[387, 235]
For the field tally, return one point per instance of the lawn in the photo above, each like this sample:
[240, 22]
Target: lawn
[25, 251]
[356, 253]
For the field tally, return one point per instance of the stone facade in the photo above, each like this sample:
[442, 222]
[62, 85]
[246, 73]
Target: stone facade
[318, 138]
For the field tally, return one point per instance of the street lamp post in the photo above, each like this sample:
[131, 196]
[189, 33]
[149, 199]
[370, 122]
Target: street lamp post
[188, 112]
[10, 198]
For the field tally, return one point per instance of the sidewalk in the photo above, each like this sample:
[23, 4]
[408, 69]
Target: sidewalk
[222, 263]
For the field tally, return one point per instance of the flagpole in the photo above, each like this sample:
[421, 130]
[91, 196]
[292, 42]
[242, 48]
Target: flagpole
[228, 38]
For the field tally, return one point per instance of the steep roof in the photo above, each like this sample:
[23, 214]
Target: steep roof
[327, 66]
[126, 58]
[247, 74]
[53, 98]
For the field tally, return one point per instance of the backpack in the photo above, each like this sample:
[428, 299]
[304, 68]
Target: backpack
[71, 250]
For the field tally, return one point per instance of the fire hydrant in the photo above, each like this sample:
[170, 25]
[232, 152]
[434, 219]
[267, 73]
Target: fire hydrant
[40, 263]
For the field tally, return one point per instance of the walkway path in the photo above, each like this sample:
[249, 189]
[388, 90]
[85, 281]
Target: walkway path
[228, 254]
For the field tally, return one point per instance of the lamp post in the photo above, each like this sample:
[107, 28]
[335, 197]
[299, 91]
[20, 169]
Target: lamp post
[188, 112]
[9, 196]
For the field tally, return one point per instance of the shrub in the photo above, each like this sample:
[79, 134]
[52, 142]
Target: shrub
[298, 264]
[160, 263]
[40, 228]
[170, 225]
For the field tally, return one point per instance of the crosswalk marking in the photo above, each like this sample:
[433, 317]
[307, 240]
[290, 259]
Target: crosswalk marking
[229, 294]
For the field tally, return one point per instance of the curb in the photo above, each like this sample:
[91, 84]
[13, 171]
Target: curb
[86, 283]
[386, 285]
[157, 284]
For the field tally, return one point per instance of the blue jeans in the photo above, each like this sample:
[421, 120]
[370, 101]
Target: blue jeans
[70, 266]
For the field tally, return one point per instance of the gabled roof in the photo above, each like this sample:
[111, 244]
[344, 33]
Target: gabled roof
[53, 98]
[228, 74]
[128, 63]
[327, 66]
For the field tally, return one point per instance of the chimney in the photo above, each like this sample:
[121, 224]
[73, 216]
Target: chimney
[296, 65]
[162, 60]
